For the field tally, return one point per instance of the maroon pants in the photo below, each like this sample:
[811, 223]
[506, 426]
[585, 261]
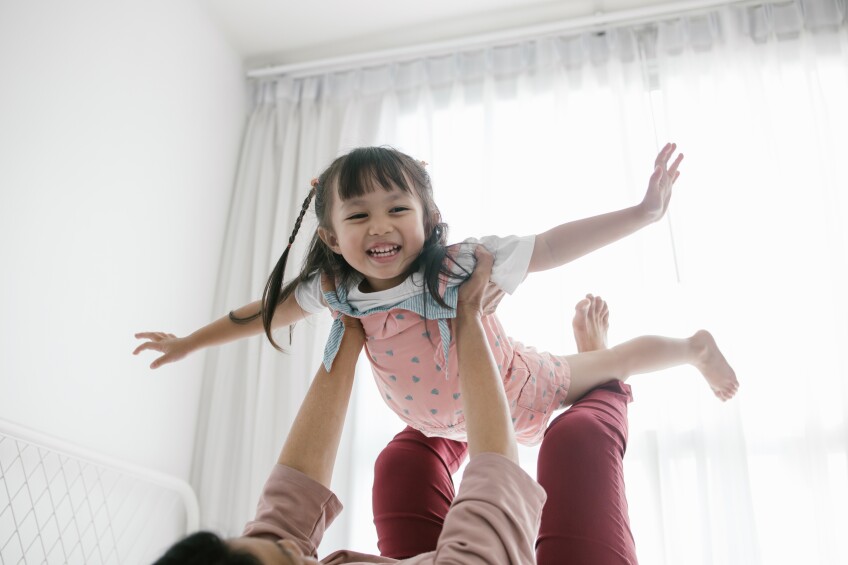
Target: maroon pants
[580, 466]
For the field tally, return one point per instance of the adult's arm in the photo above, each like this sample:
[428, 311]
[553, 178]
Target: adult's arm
[495, 518]
[487, 417]
[313, 440]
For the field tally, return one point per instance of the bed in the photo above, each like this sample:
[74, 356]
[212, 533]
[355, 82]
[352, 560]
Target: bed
[63, 504]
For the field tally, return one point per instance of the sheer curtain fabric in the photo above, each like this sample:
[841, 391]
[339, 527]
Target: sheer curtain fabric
[523, 137]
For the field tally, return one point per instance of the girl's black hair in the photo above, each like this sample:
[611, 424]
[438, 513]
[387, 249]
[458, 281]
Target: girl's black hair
[205, 548]
[349, 176]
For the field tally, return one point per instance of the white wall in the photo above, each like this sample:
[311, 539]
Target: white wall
[120, 125]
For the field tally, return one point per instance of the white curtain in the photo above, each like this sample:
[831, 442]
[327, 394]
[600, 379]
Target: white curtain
[524, 137]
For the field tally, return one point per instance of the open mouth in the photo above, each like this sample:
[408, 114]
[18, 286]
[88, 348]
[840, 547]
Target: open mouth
[383, 251]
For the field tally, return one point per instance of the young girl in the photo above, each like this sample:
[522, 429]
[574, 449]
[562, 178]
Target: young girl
[381, 238]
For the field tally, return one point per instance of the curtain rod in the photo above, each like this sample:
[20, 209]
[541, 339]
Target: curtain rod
[614, 19]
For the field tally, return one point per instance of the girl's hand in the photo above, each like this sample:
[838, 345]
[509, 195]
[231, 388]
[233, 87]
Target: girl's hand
[172, 347]
[655, 203]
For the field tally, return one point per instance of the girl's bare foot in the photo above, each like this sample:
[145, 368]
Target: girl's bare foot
[590, 323]
[712, 364]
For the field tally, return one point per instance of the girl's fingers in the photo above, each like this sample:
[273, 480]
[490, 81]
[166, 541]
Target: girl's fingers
[155, 336]
[162, 360]
[145, 335]
[660, 157]
[664, 154]
[673, 168]
[147, 345]
[657, 174]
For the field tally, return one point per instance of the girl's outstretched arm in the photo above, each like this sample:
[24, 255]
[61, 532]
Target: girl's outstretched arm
[571, 240]
[223, 330]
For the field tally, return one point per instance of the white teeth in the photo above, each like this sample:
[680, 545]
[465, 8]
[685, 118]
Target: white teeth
[383, 251]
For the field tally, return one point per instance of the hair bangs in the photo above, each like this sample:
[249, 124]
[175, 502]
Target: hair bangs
[366, 168]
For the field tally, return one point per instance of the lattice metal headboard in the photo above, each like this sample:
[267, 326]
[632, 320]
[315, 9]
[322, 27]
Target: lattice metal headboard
[62, 504]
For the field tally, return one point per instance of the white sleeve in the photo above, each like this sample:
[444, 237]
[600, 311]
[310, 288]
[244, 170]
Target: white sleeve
[512, 258]
[309, 295]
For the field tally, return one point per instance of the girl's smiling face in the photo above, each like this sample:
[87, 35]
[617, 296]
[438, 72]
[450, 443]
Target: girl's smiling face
[379, 233]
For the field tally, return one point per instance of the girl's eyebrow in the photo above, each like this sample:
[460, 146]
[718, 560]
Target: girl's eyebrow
[391, 197]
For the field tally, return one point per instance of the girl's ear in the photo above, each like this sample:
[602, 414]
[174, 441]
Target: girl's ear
[330, 240]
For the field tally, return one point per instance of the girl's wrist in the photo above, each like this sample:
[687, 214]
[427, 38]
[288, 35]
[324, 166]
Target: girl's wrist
[191, 342]
[649, 215]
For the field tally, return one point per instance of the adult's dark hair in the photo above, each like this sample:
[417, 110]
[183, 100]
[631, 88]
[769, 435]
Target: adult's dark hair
[205, 548]
[356, 173]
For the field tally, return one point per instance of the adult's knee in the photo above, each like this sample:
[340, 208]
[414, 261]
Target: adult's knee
[407, 457]
[581, 437]
[412, 494]
[580, 466]
[395, 458]
[576, 428]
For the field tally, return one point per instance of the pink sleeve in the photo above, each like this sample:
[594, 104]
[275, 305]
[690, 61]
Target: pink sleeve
[495, 518]
[295, 507]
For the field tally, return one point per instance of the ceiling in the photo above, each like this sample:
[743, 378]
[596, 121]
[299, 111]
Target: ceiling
[269, 32]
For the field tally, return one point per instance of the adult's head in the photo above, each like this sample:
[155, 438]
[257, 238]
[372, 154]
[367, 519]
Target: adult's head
[206, 548]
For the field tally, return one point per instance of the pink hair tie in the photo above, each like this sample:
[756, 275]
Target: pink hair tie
[314, 183]
[423, 163]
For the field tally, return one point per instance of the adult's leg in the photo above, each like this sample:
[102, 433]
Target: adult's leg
[580, 466]
[413, 490]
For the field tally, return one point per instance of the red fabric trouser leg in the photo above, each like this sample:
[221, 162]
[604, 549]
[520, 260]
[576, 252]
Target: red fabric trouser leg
[584, 520]
[580, 466]
[413, 491]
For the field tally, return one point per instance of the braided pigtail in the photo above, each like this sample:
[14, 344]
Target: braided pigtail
[271, 296]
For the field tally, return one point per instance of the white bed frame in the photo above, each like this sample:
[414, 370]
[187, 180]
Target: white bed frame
[66, 505]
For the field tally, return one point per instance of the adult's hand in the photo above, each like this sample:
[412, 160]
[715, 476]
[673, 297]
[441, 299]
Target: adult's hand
[478, 296]
[351, 324]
